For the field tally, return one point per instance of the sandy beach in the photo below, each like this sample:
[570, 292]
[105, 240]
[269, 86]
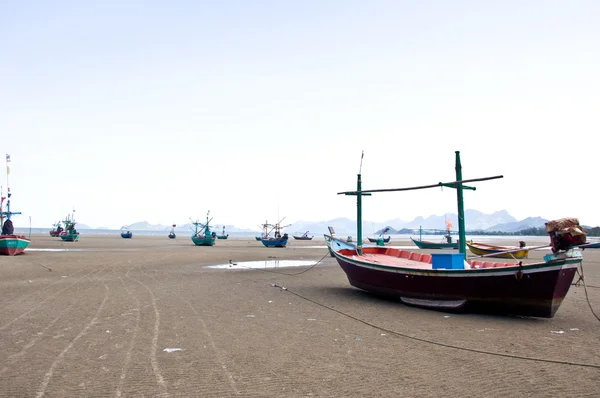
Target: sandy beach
[149, 317]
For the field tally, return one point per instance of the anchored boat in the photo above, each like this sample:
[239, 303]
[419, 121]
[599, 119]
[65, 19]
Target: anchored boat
[70, 234]
[485, 250]
[202, 234]
[10, 243]
[126, 232]
[56, 230]
[277, 240]
[223, 236]
[447, 281]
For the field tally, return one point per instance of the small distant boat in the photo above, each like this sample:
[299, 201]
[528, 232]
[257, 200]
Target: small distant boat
[482, 249]
[277, 240]
[591, 245]
[172, 233]
[381, 240]
[377, 240]
[10, 244]
[447, 242]
[304, 236]
[202, 234]
[70, 234]
[56, 230]
[424, 244]
[126, 233]
[223, 236]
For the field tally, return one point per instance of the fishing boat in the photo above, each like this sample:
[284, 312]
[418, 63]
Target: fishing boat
[304, 236]
[11, 244]
[126, 233]
[202, 234]
[592, 245]
[447, 281]
[277, 240]
[223, 236]
[482, 249]
[424, 244]
[172, 233]
[56, 230]
[70, 234]
[445, 243]
[381, 240]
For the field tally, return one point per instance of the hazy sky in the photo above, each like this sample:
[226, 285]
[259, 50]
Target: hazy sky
[163, 110]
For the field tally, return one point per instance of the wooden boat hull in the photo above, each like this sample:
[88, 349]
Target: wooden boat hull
[273, 242]
[203, 241]
[172, 236]
[592, 245]
[423, 244]
[54, 234]
[532, 290]
[496, 251]
[303, 237]
[11, 245]
[126, 235]
[222, 236]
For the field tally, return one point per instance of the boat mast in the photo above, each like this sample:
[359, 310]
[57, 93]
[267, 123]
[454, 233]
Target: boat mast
[7, 213]
[458, 185]
[462, 247]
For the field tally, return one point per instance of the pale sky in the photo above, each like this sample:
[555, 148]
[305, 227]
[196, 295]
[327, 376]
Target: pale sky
[163, 110]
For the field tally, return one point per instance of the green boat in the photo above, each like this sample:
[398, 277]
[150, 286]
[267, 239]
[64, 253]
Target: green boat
[70, 234]
[223, 236]
[446, 244]
[202, 235]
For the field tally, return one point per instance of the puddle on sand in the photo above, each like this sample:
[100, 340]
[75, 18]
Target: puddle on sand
[306, 247]
[54, 250]
[264, 264]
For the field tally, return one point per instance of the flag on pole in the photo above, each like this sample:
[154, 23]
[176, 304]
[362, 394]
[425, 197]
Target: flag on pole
[7, 158]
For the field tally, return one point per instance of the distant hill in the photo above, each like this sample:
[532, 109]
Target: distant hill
[500, 221]
[529, 222]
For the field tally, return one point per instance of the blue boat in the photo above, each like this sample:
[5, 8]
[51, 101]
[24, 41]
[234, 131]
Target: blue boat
[591, 245]
[126, 233]
[277, 240]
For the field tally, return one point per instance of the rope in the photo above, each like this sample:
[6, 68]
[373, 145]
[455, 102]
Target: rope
[437, 343]
[586, 293]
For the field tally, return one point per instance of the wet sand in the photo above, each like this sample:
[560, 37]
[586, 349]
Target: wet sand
[147, 317]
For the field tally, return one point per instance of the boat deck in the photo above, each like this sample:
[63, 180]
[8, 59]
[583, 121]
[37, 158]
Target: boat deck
[406, 259]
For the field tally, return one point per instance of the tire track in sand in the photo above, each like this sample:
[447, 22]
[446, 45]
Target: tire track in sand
[42, 389]
[53, 295]
[125, 367]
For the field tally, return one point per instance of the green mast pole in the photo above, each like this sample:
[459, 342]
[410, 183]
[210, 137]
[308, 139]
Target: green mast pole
[462, 247]
[359, 216]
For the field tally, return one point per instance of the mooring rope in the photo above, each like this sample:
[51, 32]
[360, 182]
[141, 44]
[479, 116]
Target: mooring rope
[437, 343]
[582, 278]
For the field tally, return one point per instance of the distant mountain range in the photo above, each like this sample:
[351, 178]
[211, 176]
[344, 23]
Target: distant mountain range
[499, 221]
